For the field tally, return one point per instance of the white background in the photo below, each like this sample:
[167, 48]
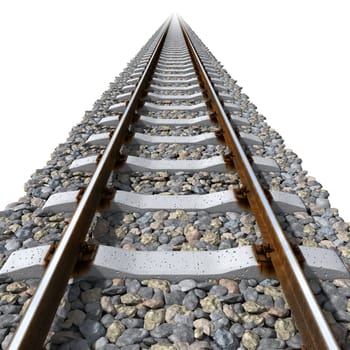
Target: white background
[291, 58]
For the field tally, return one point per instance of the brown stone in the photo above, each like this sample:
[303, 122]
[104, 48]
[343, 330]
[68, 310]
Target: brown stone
[278, 312]
[231, 285]
[153, 303]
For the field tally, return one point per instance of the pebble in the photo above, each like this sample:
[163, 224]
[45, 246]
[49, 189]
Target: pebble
[153, 303]
[230, 285]
[12, 244]
[132, 322]
[252, 307]
[250, 294]
[182, 333]
[202, 326]
[154, 318]
[190, 301]
[210, 303]
[101, 343]
[175, 297]
[187, 285]
[125, 311]
[162, 331]
[172, 310]
[323, 203]
[107, 320]
[91, 296]
[160, 284]
[199, 345]
[92, 330]
[16, 287]
[132, 336]
[131, 299]
[8, 320]
[295, 342]
[268, 344]
[225, 339]
[163, 347]
[114, 331]
[191, 233]
[250, 340]
[76, 317]
[285, 328]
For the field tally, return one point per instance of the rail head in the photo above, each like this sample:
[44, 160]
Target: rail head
[35, 324]
[310, 320]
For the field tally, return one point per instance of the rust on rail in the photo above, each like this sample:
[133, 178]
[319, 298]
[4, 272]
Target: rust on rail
[86, 256]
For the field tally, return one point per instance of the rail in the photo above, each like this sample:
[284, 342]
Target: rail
[32, 330]
[310, 320]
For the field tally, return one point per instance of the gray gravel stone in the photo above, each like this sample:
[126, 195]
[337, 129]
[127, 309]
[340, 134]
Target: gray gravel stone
[336, 302]
[199, 293]
[145, 292]
[78, 344]
[265, 300]
[162, 331]
[218, 290]
[237, 329]
[269, 344]
[204, 286]
[23, 234]
[132, 336]
[9, 320]
[113, 290]
[132, 286]
[232, 298]
[199, 313]
[225, 339]
[6, 342]
[182, 333]
[132, 322]
[295, 342]
[93, 311]
[323, 203]
[188, 284]
[184, 319]
[92, 330]
[264, 332]
[342, 316]
[101, 343]
[107, 320]
[12, 244]
[175, 297]
[250, 294]
[10, 309]
[190, 301]
[132, 347]
[3, 333]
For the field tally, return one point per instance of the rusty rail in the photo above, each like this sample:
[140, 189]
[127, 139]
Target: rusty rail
[32, 330]
[315, 331]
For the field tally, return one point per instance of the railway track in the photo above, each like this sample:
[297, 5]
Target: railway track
[172, 220]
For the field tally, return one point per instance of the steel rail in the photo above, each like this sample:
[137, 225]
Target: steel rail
[32, 330]
[314, 329]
